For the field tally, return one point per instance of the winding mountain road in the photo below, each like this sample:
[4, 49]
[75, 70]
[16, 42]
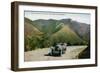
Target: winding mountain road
[72, 52]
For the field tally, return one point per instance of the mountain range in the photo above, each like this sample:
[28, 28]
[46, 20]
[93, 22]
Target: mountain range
[53, 31]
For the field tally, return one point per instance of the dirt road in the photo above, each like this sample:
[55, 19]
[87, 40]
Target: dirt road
[41, 54]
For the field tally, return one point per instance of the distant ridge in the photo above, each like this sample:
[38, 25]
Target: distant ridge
[44, 33]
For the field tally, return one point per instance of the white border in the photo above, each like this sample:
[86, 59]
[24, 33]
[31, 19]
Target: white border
[23, 64]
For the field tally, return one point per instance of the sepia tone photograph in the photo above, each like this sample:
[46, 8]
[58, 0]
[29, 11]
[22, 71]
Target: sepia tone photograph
[56, 36]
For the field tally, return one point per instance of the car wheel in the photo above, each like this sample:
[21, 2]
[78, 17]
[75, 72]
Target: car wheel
[60, 53]
[51, 52]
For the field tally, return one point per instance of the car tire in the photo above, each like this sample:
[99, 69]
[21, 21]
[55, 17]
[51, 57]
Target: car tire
[51, 53]
[60, 53]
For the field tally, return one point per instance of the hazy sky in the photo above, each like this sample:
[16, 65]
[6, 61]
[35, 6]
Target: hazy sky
[80, 17]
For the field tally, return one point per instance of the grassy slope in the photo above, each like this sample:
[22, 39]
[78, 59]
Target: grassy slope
[68, 34]
[30, 30]
[57, 33]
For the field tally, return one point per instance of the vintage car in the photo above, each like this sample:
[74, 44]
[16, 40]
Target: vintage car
[58, 49]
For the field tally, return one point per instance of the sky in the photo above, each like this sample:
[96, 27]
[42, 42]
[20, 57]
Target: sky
[80, 17]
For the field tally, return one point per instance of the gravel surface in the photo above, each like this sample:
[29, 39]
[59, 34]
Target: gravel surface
[72, 52]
